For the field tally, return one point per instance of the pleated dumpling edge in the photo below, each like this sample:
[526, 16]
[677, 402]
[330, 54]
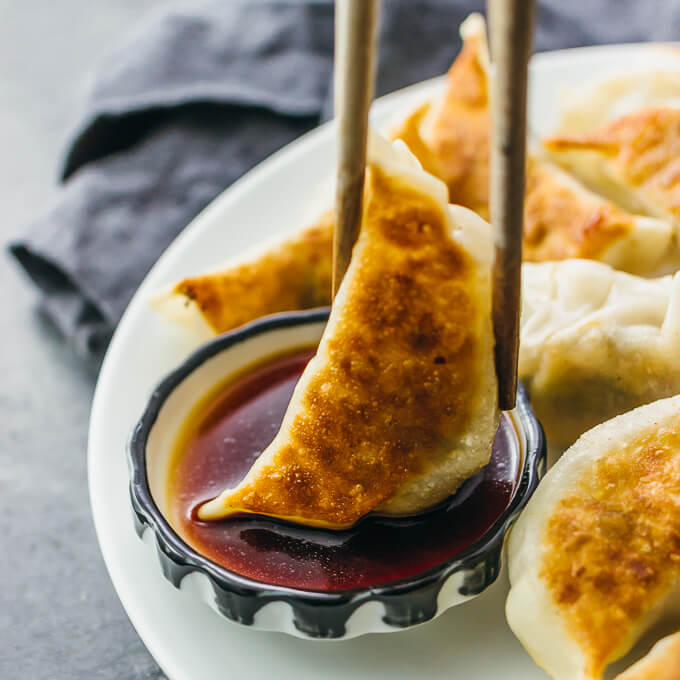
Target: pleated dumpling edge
[594, 343]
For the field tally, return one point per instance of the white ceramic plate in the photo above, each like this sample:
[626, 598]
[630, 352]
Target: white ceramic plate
[187, 639]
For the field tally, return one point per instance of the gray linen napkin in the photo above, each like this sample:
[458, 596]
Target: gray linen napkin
[199, 94]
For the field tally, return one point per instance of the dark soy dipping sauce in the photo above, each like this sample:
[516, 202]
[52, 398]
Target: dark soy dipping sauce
[235, 424]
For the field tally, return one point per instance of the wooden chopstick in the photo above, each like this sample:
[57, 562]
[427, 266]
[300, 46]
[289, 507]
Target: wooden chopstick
[510, 28]
[355, 47]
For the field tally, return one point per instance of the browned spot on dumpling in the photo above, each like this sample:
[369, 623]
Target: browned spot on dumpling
[561, 222]
[613, 547]
[400, 373]
[641, 150]
[294, 275]
[457, 147]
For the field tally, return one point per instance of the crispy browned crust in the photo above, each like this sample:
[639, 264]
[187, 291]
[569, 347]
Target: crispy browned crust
[643, 151]
[399, 375]
[613, 548]
[561, 222]
[457, 149]
[294, 275]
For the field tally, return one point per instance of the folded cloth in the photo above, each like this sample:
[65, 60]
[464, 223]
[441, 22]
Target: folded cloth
[199, 94]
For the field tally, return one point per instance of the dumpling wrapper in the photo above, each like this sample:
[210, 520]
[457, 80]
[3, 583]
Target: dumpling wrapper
[594, 560]
[293, 272]
[564, 220]
[594, 343]
[620, 135]
[398, 407]
[661, 663]
[450, 134]
[634, 160]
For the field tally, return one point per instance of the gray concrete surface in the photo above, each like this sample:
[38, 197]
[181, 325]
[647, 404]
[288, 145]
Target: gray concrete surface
[59, 615]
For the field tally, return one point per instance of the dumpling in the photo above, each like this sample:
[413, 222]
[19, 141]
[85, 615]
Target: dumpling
[620, 134]
[399, 405]
[595, 342]
[291, 273]
[563, 219]
[594, 560]
[450, 134]
[662, 662]
[634, 160]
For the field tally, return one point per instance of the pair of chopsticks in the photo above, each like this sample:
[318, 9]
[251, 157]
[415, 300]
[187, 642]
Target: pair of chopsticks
[510, 23]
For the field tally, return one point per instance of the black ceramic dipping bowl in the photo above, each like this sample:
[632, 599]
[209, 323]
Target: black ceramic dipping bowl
[333, 611]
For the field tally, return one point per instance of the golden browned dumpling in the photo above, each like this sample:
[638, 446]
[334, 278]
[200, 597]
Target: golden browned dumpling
[662, 662]
[563, 220]
[398, 407]
[292, 273]
[634, 159]
[450, 135]
[594, 559]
